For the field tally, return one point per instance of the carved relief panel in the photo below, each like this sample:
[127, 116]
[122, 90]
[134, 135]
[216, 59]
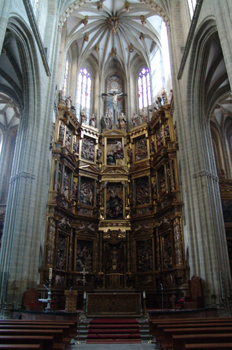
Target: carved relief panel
[84, 255]
[114, 201]
[140, 149]
[114, 152]
[88, 149]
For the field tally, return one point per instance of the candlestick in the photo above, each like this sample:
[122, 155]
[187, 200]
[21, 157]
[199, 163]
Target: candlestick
[50, 273]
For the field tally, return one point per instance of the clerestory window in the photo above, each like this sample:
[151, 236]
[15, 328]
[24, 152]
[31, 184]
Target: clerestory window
[66, 74]
[144, 88]
[84, 90]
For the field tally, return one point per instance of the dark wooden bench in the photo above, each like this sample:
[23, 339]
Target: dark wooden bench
[65, 329]
[153, 324]
[45, 342]
[72, 325]
[170, 332]
[179, 341]
[56, 333]
[210, 346]
[191, 325]
[20, 346]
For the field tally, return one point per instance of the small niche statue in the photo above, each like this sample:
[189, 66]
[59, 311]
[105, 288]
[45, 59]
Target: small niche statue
[93, 121]
[144, 116]
[61, 96]
[68, 102]
[107, 122]
[122, 121]
[135, 119]
[83, 116]
[99, 152]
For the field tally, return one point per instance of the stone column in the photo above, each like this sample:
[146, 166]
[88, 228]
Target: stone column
[203, 224]
[6, 160]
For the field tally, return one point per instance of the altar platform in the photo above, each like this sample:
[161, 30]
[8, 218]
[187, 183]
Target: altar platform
[114, 304]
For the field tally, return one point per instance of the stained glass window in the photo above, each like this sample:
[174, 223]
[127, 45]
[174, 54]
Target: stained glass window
[84, 90]
[192, 5]
[66, 74]
[36, 3]
[144, 88]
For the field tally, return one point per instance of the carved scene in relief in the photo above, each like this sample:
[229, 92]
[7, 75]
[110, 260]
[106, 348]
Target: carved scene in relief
[87, 191]
[140, 149]
[87, 150]
[142, 190]
[144, 256]
[115, 152]
[84, 255]
[62, 252]
[114, 201]
[167, 253]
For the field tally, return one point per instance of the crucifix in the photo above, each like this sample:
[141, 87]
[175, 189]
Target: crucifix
[114, 96]
[83, 273]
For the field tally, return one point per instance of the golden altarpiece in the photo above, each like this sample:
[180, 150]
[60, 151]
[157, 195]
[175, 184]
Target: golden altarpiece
[114, 215]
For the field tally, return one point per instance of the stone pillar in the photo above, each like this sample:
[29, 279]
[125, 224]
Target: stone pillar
[203, 218]
[6, 160]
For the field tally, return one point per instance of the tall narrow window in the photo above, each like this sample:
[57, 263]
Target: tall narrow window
[36, 3]
[192, 5]
[144, 88]
[84, 91]
[66, 74]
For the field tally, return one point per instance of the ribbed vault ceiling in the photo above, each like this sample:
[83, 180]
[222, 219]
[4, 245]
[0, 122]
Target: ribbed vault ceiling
[217, 86]
[114, 28]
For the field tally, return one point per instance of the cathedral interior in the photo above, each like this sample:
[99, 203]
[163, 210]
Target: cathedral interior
[115, 148]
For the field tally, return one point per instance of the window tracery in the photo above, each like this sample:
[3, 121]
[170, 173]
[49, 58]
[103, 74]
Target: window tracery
[144, 88]
[84, 90]
[66, 74]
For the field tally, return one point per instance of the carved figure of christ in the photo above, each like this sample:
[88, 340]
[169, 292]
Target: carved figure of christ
[114, 96]
[83, 273]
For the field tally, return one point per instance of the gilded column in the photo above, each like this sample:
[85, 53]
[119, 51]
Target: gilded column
[178, 242]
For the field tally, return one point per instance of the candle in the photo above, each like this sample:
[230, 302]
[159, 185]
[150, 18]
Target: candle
[50, 273]
[144, 294]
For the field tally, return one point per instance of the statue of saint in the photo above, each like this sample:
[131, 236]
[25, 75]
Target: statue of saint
[107, 121]
[122, 121]
[83, 116]
[93, 121]
[68, 102]
[144, 116]
[135, 119]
